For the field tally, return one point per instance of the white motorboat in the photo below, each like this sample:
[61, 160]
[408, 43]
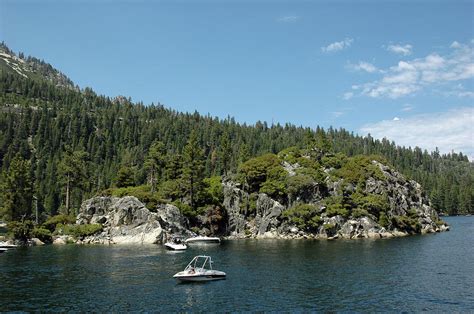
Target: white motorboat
[175, 246]
[201, 239]
[2, 250]
[5, 245]
[197, 271]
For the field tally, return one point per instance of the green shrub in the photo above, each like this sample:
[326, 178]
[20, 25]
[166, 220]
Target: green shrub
[334, 161]
[359, 213]
[290, 154]
[314, 222]
[249, 205]
[437, 221]
[21, 230]
[299, 183]
[383, 220]
[317, 174]
[329, 226]
[304, 216]
[214, 192]
[255, 171]
[53, 221]
[407, 223]
[186, 209]
[124, 177]
[80, 231]
[171, 189]
[42, 233]
[308, 163]
[337, 209]
[359, 168]
[274, 188]
[141, 192]
[338, 205]
[372, 203]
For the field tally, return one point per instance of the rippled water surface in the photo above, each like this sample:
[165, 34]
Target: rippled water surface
[419, 273]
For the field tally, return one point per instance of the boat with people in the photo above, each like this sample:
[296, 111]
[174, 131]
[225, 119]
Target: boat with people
[200, 269]
[202, 240]
[176, 245]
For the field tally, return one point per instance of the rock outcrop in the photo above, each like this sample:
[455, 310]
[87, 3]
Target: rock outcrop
[125, 221]
[405, 210]
[172, 222]
[405, 197]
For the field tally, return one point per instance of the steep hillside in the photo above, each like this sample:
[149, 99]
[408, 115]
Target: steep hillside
[31, 67]
[63, 145]
[295, 194]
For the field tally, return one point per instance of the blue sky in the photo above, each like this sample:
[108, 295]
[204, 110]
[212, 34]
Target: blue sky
[399, 69]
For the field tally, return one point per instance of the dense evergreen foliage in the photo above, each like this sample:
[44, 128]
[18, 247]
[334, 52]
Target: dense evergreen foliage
[61, 145]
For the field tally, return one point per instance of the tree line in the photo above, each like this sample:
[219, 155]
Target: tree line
[59, 146]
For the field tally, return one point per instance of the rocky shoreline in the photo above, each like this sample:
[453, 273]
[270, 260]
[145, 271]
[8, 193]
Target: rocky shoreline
[126, 220]
[407, 210]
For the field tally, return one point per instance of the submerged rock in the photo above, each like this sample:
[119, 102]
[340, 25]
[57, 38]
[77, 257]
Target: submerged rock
[62, 240]
[36, 241]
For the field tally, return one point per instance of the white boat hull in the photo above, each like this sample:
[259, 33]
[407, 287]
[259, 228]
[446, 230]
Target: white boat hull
[207, 275]
[175, 246]
[7, 246]
[202, 240]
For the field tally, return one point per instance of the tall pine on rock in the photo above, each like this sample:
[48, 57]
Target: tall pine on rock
[73, 173]
[193, 169]
[225, 152]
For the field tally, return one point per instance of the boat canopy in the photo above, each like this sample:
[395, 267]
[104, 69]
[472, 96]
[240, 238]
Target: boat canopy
[199, 262]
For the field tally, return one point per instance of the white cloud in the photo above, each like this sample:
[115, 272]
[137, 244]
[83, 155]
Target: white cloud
[396, 119]
[465, 94]
[455, 45]
[363, 66]
[452, 130]
[288, 19]
[407, 107]
[338, 45]
[458, 91]
[408, 77]
[404, 50]
[337, 114]
[348, 95]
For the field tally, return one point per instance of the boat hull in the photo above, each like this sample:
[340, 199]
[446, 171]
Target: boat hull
[208, 275]
[8, 246]
[203, 240]
[175, 247]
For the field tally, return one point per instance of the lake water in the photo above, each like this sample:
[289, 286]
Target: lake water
[418, 273]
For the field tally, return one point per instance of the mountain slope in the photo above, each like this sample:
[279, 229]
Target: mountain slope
[31, 68]
[49, 123]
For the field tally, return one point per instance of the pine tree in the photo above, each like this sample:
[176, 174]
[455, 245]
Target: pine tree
[17, 190]
[193, 169]
[124, 177]
[73, 173]
[155, 163]
[225, 152]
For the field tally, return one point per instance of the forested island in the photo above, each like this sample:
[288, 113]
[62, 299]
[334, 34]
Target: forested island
[92, 167]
